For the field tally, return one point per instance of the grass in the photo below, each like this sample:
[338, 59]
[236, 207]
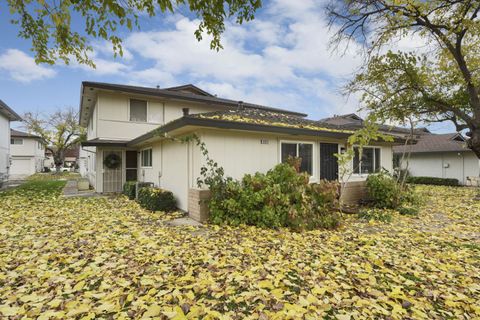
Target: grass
[47, 176]
[106, 258]
[35, 188]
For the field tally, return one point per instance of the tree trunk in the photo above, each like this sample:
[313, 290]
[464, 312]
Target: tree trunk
[474, 141]
[58, 158]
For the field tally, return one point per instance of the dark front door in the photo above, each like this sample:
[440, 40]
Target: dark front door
[328, 161]
[131, 165]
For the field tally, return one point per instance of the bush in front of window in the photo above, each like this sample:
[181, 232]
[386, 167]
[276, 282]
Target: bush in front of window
[129, 189]
[433, 181]
[156, 199]
[282, 197]
[384, 191]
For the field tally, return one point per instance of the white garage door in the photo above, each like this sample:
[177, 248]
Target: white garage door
[21, 167]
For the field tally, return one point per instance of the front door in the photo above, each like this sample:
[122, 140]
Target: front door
[328, 161]
[131, 165]
[112, 171]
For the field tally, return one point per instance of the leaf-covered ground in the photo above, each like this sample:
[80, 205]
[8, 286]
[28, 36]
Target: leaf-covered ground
[105, 258]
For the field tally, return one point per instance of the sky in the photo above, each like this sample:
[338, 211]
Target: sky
[282, 59]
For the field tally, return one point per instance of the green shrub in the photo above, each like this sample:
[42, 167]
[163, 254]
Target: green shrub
[280, 198]
[433, 181]
[384, 191]
[383, 215]
[129, 189]
[155, 199]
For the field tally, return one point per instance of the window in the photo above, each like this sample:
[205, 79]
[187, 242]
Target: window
[16, 141]
[146, 158]
[39, 145]
[138, 110]
[369, 163]
[301, 150]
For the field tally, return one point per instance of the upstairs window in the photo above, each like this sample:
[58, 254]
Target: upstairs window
[138, 110]
[146, 158]
[300, 150]
[369, 163]
[39, 145]
[16, 141]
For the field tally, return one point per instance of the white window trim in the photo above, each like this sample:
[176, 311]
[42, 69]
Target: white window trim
[313, 176]
[141, 158]
[148, 109]
[374, 161]
[16, 144]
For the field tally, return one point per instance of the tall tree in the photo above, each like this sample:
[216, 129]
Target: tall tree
[60, 130]
[48, 23]
[440, 84]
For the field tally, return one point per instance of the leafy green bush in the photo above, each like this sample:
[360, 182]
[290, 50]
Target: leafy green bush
[280, 198]
[129, 189]
[383, 190]
[155, 199]
[433, 181]
[377, 214]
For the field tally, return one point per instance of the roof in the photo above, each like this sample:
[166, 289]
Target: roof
[8, 112]
[20, 134]
[184, 93]
[190, 88]
[429, 142]
[104, 142]
[252, 120]
[354, 121]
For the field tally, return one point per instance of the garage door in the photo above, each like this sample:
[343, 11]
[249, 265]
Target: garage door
[20, 167]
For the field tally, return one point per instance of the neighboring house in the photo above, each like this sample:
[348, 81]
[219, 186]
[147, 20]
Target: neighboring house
[6, 116]
[136, 126]
[442, 156]
[27, 154]
[71, 156]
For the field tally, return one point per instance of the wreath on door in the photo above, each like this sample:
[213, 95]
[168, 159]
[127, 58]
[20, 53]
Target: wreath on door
[112, 161]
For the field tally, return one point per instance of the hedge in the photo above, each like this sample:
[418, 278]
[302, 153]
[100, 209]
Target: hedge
[433, 180]
[129, 189]
[155, 199]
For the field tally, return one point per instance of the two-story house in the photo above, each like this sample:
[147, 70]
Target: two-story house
[6, 116]
[133, 133]
[27, 154]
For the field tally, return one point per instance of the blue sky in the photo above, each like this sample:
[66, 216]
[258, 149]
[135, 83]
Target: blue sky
[281, 59]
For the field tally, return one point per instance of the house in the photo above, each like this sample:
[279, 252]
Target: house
[27, 154]
[6, 116]
[71, 157]
[442, 156]
[133, 134]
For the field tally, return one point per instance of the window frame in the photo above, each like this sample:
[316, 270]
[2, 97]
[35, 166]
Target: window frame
[16, 144]
[151, 158]
[298, 142]
[374, 162]
[130, 109]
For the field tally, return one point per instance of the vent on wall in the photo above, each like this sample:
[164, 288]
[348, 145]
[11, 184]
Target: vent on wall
[263, 141]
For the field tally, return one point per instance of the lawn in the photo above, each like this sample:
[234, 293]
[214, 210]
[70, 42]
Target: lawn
[103, 258]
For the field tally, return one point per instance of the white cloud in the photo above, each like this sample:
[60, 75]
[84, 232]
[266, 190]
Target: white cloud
[21, 67]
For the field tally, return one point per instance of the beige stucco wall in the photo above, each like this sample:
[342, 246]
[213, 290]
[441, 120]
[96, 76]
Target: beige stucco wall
[111, 118]
[176, 166]
[4, 145]
[457, 165]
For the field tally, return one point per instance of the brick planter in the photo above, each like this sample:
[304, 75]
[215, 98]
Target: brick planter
[197, 207]
[354, 192]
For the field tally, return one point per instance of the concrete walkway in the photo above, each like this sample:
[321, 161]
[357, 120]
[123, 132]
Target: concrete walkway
[71, 190]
